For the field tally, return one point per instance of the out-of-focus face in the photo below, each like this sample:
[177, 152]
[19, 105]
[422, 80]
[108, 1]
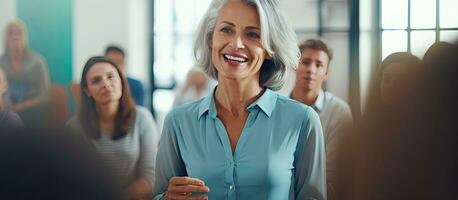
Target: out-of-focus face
[15, 38]
[312, 70]
[104, 84]
[237, 52]
[117, 57]
[395, 83]
[197, 79]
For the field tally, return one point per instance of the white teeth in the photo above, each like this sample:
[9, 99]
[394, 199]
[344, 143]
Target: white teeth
[234, 58]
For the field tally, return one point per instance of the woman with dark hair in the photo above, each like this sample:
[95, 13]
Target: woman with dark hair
[393, 82]
[125, 135]
[381, 133]
[409, 151]
[243, 141]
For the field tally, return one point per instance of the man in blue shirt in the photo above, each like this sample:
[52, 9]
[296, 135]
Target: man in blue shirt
[116, 54]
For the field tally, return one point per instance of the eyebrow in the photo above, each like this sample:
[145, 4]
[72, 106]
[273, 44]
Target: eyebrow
[248, 27]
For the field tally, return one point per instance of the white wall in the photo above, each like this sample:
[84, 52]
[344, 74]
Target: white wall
[7, 13]
[98, 23]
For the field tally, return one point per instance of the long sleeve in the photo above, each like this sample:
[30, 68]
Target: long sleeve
[310, 165]
[149, 139]
[168, 161]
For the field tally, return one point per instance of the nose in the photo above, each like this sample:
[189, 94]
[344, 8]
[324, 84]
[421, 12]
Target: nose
[107, 83]
[237, 42]
[310, 68]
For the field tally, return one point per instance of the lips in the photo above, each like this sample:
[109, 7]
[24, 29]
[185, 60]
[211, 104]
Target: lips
[308, 78]
[235, 58]
[107, 93]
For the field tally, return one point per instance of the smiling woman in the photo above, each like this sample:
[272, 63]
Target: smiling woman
[239, 142]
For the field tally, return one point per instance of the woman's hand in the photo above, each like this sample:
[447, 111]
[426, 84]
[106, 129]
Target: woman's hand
[182, 188]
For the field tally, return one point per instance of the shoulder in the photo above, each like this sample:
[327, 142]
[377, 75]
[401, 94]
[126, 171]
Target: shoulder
[36, 57]
[73, 126]
[143, 115]
[134, 82]
[292, 107]
[338, 104]
[185, 112]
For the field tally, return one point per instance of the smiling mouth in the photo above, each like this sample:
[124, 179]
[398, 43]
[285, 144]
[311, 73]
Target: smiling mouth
[238, 59]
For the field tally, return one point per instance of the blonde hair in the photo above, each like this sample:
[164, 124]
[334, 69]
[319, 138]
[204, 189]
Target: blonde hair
[20, 25]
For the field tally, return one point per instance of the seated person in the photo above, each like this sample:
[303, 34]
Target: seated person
[335, 114]
[45, 164]
[136, 87]
[27, 74]
[125, 135]
[8, 119]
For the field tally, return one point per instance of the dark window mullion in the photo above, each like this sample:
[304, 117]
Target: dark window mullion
[320, 18]
[409, 28]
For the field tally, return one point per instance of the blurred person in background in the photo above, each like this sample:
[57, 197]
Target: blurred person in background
[27, 74]
[197, 85]
[335, 114]
[125, 135]
[388, 109]
[118, 55]
[8, 119]
[406, 146]
[243, 141]
[39, 164]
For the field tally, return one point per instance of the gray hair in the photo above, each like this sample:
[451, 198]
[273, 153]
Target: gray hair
[277, 38]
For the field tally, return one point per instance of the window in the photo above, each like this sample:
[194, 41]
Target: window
[174, 24]
[414, 25]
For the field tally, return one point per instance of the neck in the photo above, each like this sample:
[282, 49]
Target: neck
[15, 53]
[235, 95]
[305, 96]
[107, 112]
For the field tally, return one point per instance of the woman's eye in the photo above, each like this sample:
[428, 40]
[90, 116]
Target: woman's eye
[95, 81]
[253, 35]
[226, 30]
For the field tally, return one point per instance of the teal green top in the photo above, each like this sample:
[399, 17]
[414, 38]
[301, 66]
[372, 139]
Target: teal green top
[279, 155]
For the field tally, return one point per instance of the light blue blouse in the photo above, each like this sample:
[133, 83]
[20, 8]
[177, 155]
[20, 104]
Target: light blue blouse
[279, 155]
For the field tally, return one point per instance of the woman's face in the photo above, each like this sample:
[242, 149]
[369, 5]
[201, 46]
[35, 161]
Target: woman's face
[103, 83]
[237, 52]
[395, 82]
[15, 38]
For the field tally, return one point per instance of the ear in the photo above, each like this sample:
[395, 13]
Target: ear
[210, 43]
[326, 74]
